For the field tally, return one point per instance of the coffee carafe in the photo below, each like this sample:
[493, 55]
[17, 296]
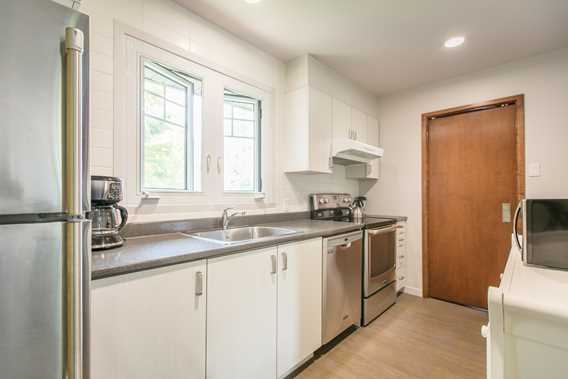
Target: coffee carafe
[108, 218]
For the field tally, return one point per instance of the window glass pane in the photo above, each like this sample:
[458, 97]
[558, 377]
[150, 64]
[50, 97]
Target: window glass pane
[171, 130]
[227, 127]
[175, 113]
[243, 111]
[239, 164]
[243, 128]
[228, 110]
[154, 87]
[164, 155]
[176, 95]
[153, 105]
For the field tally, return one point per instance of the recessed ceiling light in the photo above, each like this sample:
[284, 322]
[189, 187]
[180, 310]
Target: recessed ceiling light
[454, 42]
[252, 1]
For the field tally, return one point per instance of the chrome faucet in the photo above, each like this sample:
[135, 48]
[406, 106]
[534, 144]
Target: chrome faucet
[228, 214]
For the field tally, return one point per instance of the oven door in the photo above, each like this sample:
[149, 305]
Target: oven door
[380, 258]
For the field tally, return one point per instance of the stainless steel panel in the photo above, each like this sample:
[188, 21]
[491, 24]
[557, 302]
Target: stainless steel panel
[342, 265]
[31, 301]
[32, 104]
[376, 304]
[33, 313]
[379, 258]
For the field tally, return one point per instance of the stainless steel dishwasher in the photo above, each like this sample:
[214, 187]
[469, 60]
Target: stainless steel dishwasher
[342, 264]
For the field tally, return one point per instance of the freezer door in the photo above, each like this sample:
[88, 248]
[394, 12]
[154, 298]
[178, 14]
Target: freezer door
[32, 105]
[34, 297]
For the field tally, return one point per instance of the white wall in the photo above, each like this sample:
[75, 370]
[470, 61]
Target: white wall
[544, 82]
[169, 21]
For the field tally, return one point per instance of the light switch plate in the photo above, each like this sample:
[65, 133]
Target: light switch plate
[534, 170]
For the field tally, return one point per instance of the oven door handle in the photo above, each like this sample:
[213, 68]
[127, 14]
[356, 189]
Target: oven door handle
[375, 232]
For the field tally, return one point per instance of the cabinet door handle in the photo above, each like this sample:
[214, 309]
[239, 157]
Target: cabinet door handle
[273, 261]
[284, 262]
[208, 163]
[198, 283]
[219, 165]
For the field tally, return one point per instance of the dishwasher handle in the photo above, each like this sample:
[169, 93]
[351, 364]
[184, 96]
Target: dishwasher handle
[344, 241]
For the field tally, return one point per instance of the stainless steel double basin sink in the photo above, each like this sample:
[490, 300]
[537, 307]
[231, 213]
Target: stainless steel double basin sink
[243, 235]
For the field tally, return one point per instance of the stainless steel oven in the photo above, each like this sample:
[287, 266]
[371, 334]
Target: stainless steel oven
[379, 271]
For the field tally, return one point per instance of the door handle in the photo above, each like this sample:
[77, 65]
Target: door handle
[273, 261]
[208, 159]
[284, 262]
[198, 283]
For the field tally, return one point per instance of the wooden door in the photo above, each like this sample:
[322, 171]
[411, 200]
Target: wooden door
[241, 315]
[150, 324]
[472, 170]
[299, 303]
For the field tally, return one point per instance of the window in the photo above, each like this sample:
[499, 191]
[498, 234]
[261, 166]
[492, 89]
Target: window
[242, 115]
[171, 114]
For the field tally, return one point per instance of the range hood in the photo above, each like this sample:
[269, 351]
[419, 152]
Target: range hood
[347, 151]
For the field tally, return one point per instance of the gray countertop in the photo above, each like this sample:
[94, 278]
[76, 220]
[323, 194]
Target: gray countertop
[146, 252]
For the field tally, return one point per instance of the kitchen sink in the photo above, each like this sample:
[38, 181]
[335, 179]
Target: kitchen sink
[243, 235]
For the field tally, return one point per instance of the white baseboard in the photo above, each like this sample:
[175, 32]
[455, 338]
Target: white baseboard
[413, 291]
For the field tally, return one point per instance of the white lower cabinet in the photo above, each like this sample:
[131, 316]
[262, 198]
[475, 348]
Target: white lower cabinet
[241, 315]
[264, 311]
[299, 303]
[150, 324]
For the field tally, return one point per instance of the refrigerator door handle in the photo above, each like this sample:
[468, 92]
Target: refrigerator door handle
[73, 198]
[77, 283]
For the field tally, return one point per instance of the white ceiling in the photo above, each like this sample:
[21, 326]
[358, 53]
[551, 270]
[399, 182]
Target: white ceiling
[389, 45]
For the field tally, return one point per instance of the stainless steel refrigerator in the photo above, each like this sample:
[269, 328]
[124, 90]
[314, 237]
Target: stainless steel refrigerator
[44, 191]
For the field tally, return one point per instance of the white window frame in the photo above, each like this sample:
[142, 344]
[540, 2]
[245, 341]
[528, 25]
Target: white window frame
[215, 79]
[257, 138]
[192, 173]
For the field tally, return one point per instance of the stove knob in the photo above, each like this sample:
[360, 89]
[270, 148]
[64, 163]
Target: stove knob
[326, 201]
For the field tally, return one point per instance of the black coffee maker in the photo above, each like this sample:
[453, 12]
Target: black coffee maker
[106, 192]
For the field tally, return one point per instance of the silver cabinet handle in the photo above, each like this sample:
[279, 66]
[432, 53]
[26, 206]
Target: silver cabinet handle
[208, 163]
[284, 262]
[273, 261]
[198, 283]
[74, 41]
[401, 278]
[345, 245]
[219, 165]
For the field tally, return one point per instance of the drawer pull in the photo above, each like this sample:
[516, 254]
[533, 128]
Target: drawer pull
[198, 283]
[401, 278]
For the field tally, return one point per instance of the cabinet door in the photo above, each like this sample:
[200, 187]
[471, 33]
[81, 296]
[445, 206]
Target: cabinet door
[320, 131]
[373, 139]
[150, 324]
[341, 119]
[359, 125]
[241, 316]
[299, 303]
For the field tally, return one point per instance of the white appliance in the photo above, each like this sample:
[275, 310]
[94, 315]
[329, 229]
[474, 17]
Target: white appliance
[44, 191]
[527, 334]
[349, 151]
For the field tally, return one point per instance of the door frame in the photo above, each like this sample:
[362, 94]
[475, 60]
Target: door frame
[518, 101]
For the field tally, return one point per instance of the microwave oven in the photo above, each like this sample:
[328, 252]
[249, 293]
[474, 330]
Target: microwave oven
[544, 232]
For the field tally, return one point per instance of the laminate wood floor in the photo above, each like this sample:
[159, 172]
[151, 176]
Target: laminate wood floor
[416, 338]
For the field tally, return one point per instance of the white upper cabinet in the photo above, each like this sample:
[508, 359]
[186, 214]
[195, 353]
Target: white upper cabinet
[370, 170]
[358, 125]
[341, 119]
[307, 131]
[150, 324]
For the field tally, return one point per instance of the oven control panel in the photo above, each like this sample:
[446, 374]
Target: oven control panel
[321, 201]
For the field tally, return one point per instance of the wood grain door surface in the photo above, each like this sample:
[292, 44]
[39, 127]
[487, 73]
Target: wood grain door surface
[471, 173]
